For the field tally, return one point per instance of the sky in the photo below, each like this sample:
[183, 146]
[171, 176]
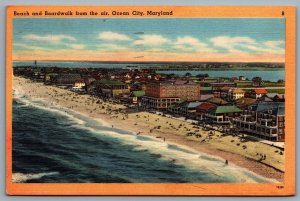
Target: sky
[150, 39]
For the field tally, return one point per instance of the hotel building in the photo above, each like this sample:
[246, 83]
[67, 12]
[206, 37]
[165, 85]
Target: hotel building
[162, 94]
[263, 120]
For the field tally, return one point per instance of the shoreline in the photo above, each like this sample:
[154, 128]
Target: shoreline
[144, 123]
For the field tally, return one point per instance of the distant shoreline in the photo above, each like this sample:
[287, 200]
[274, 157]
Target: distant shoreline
[149, 62]
[161, 66]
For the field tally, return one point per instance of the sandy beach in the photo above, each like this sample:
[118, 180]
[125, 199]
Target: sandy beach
[241, 152]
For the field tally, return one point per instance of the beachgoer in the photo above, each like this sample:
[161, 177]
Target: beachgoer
[226, 162]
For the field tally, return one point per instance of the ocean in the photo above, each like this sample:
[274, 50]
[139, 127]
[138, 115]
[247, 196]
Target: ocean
[51, 145]
[270, 75]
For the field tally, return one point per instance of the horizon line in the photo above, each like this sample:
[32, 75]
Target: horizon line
[153, 61]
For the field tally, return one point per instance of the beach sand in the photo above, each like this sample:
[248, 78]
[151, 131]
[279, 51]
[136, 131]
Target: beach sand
[231, 148]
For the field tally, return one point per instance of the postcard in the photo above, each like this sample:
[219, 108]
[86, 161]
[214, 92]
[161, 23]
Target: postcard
[150, 100]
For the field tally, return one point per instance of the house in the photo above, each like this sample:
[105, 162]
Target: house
[271, 95]
[263, 120]
[222, 93]
[202, 109]
[279, 98]
[244, 103]
[218, 85]
[37, 75]
[188, 109]
[79, 83]
[110, 88]
[235, 93]
[50, 78]
[136, 96]
[217, 101]
[265, 98]
[222, 114]
[257, 82]
[257, 93]
[242, 78]
[234, 79]
[67, 79]
[175, 108]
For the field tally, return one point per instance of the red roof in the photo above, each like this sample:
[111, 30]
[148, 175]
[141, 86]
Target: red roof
[260, 91]
[205, 106]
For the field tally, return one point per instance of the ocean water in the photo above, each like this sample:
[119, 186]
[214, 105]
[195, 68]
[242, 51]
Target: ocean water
[51, 145]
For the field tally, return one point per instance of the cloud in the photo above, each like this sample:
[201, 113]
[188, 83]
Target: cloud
[188, 43]
[232, 44]
[275, 46]
[151, 40]
[187, 40]
[108, 35]
[77, 46]
[49, 38]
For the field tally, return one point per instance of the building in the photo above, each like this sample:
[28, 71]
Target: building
[79, 83]
[242, 78]
[257, 93]
[162, 94]
[264, 99]
[217, 101]
[188, 109]
[263, 120]
[50, 78]
[244, 103]
[136, 96]
[79, 86]
[222, 114]
[67, 79]
[175, 108]
[257, 82]
[218, 85]
[110, 88]
[235, 93]
[279, 98]
[203, 108]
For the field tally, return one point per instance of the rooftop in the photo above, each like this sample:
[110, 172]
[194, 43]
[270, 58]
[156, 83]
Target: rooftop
[266, 106]
[238, 91]
[225, 109]
[175, 82]
[245, 101]
[218, 101]
[206, 106]
[138, 93]
[191, 104]
[260, 91]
